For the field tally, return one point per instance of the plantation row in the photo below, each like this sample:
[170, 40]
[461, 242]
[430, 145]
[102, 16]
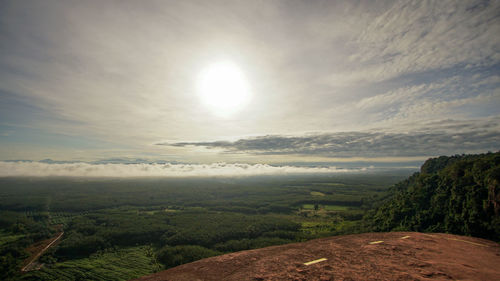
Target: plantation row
[122, 264]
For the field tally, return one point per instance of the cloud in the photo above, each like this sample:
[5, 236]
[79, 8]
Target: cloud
[448, 137]
[418, 36]
[79, 169]
[440, 98]
[123, 75]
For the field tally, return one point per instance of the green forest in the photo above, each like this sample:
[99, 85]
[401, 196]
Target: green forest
[118, 229]
[458, 194]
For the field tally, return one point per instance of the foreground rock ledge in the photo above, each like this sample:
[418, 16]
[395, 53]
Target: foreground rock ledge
[368, 256]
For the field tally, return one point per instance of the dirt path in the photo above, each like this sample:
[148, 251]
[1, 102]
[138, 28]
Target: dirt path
[369, 256]
[32, 265]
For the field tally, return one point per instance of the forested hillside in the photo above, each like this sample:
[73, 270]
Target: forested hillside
[458, 194]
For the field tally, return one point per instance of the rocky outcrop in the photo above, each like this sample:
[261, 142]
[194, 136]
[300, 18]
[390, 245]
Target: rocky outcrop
[369, 256]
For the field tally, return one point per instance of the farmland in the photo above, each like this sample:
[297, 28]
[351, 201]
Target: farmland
[119, 264]
[117, 229]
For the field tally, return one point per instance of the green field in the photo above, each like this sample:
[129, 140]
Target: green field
[317, 193]
[335, 208]
[326, 207]
[329, 183]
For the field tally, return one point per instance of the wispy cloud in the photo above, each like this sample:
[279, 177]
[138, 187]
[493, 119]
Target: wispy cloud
[39, 169]
[430, 100]
[419, 36]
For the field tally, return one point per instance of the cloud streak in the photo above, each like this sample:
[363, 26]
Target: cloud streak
[79, 169]
[435, 139]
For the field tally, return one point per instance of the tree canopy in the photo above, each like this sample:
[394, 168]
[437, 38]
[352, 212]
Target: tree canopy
[458, 194]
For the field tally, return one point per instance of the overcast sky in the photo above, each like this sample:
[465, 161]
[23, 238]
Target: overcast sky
[328, 80]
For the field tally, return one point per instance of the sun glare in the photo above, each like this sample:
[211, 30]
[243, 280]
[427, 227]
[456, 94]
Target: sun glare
[223, 87]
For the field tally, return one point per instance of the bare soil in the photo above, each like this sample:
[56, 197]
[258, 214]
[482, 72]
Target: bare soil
[417, 256]
[37, 249]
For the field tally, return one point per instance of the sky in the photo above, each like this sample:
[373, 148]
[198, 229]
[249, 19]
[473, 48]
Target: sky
[326, 81]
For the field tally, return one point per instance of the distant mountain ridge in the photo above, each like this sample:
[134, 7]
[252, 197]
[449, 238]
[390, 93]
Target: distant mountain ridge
[458, 194]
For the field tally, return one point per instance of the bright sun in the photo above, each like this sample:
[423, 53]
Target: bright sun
[223, 87]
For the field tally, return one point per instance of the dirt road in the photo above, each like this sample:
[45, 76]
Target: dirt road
[32, 265]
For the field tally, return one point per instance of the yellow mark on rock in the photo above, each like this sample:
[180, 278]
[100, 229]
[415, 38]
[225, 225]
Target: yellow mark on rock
[473, 243]
[405, 237]
[376, 242]
[314, 261]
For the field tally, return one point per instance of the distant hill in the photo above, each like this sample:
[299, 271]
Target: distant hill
[458, 194]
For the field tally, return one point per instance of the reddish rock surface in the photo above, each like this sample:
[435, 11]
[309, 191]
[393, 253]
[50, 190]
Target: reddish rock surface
[352, 257]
